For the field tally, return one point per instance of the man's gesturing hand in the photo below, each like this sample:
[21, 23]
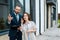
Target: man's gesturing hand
[9, 18]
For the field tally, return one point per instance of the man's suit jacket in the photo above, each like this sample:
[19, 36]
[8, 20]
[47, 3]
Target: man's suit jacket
[14, 20]
[14, 24]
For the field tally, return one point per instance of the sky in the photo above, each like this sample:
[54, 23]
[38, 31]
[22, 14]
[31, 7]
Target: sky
[58, 6]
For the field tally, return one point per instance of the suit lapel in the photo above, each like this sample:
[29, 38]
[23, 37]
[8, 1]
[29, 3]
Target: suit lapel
[15, 17]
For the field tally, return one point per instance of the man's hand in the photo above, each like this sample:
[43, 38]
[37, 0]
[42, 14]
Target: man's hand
[9, 18]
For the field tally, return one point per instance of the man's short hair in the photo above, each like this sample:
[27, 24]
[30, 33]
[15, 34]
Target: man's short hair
[18, 6]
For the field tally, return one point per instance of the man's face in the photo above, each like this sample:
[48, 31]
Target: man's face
[17, 9]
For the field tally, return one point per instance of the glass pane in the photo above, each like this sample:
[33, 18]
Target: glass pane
[54, 14]
[3, 1]
[4, 10]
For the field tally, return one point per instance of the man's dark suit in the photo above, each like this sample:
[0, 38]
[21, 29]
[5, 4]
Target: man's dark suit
[13, 32]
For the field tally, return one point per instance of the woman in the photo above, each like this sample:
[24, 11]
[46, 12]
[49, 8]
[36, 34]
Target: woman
[28, 28]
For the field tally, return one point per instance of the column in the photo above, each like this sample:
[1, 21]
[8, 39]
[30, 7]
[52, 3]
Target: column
[37, 16]
[42, 16]
[27, 6]
[45, 17]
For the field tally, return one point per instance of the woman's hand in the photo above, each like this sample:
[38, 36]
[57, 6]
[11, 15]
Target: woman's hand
[19, 28]
[30, 31]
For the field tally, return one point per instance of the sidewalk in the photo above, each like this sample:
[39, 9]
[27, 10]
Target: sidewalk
[50, 34]
[4, 37]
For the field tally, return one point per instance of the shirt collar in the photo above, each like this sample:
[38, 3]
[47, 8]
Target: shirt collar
[14, 13]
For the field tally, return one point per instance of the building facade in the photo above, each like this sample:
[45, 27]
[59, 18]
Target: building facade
[43, 12]
[58, 15]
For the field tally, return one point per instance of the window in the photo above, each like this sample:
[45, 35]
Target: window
[4, 10]
[54, 13]
[6, 1]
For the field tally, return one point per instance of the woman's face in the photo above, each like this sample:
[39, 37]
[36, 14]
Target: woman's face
[25, 17]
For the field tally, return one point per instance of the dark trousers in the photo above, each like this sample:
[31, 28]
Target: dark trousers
[15, 35]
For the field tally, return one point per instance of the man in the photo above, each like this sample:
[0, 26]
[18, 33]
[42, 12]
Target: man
[14, 22]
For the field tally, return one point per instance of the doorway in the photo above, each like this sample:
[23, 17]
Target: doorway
[49, 16]
[32, 10]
